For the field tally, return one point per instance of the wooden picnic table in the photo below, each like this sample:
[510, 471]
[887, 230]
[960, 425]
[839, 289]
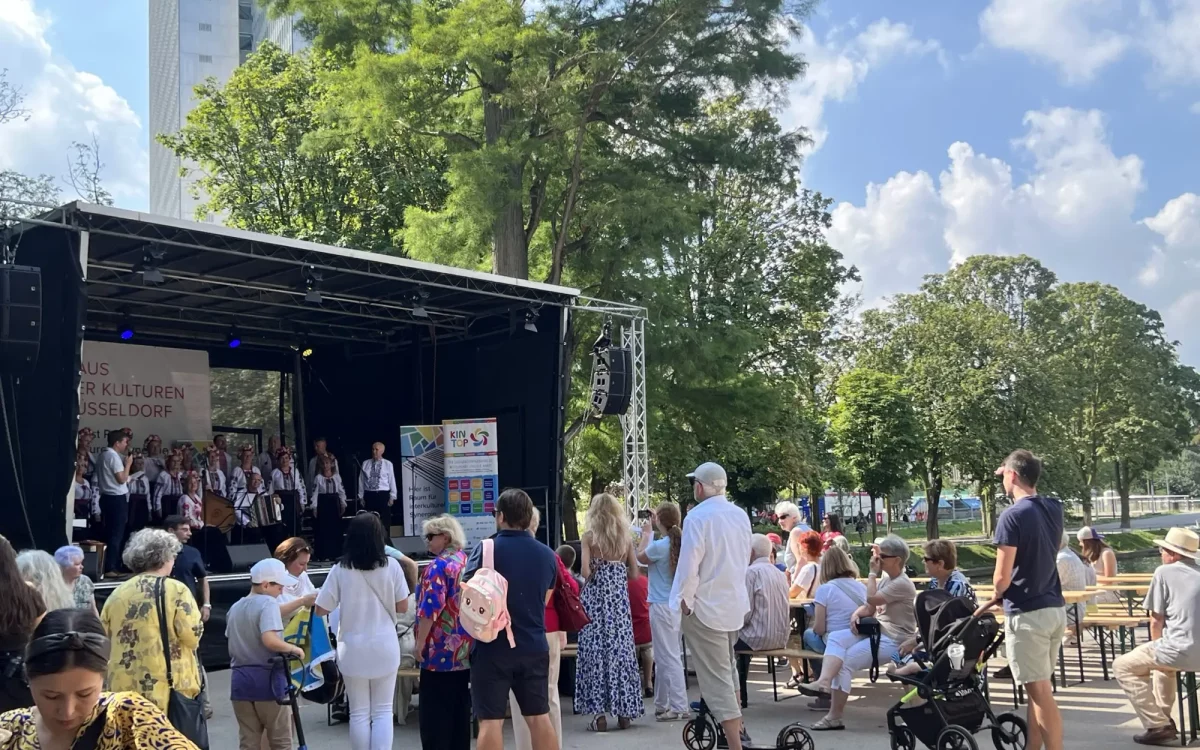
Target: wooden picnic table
[1129, 590]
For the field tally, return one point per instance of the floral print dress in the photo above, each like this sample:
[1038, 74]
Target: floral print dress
[131, 723]
[607, 680]
[130, 618]
[449, 646]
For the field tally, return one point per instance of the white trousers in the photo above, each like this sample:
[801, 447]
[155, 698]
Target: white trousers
[370, 711]
[855, 653]
[520, 726]
[670, 685]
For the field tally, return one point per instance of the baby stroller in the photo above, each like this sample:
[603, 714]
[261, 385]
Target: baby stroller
[950, 685]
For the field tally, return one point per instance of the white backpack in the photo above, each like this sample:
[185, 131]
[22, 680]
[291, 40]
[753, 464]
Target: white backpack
[483, 603]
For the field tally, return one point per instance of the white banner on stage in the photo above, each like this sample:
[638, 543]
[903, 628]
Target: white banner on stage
[149, 389]
[422, 477]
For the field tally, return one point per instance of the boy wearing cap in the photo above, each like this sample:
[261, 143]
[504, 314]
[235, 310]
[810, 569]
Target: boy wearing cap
[1173, 602]
[254, 629]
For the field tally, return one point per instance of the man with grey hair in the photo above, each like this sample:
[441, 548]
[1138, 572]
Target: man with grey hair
[767, 623]
[710, 589]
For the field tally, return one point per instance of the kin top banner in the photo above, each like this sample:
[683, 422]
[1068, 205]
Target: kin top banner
[472, 474]
[149, 389]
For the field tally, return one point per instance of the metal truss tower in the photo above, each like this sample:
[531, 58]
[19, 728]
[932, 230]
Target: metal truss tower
[635, 458]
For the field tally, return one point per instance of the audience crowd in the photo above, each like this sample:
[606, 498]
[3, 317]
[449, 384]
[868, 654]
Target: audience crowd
[623, 600]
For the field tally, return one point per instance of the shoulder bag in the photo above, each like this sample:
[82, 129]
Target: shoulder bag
[185, 714]
[868, 626]
[572, 617]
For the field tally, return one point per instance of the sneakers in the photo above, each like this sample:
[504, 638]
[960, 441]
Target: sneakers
[1161, 736]
[671, 716]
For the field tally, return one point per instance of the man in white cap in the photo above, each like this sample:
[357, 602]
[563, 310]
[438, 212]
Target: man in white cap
[710, 589]
[254, 629]
[1146, 673]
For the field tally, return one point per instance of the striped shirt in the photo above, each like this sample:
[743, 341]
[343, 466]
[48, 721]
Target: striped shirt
[767, 625]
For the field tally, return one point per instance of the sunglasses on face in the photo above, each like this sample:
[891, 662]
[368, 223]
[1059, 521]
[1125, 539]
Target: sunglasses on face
[431, 537]
[888, 557]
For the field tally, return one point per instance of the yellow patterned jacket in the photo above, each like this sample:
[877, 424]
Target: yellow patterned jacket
[131, 723]
[131, 620]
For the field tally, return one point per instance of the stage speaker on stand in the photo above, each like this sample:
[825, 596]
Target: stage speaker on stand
[243, 556]
[612, 375]
[20, 317]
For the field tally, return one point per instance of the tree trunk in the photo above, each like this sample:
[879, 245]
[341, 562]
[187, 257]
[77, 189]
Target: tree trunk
[874, 529]
[987, 507]
[510, 253]
[1123, 482]
[933, 499]
[570, 516]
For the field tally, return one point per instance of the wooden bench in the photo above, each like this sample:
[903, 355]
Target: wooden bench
[790, 651]
[1106, 628]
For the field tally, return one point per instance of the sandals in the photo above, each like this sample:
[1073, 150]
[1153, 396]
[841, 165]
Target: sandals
[811, 690]
[825, 724]
[598, 724]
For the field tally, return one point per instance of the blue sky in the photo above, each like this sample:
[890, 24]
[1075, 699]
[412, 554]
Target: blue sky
[1061, 128]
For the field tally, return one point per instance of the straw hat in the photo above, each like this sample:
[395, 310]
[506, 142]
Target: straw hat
[1182, 542]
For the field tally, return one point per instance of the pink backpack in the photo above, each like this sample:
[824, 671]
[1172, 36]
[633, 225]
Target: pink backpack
[483, 603]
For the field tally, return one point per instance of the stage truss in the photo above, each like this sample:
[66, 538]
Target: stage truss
[635, 456]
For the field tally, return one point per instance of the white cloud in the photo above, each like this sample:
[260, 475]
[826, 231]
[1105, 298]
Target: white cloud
[1082, 37]
[1074, 210]
[837, 67]
[1074, 35]
[65, 105]
[1195, 108]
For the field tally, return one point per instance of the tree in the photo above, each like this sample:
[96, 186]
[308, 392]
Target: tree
[534, 106]
[269, 161]
[1123, 398]
[875, 432]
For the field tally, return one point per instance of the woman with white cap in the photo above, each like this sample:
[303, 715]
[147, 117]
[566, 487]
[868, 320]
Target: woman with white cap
[1102, 559]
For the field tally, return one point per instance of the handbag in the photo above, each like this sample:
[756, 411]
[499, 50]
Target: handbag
[868, 626]
[185, 714]
[572, 617]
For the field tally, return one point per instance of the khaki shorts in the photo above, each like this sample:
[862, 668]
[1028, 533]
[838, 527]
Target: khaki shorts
[1033, 640]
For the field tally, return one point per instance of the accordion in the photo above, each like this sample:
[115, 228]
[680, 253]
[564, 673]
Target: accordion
[264, 511]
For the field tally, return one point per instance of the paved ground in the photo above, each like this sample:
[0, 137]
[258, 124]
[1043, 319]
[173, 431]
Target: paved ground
[1096, 716]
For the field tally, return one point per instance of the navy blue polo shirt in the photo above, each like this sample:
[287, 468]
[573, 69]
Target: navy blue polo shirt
[531, 571]
[1034, 525]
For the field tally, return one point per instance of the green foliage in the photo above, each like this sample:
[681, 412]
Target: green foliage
[874, 430]
[271, 160]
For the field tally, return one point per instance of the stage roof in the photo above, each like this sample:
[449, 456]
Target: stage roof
[215, 276]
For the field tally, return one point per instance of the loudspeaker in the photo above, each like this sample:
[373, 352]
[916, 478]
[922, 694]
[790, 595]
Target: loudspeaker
[20, 317]
[244, 556]
[612, 380]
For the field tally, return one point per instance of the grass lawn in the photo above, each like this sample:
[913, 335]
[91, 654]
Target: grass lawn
[947, 529]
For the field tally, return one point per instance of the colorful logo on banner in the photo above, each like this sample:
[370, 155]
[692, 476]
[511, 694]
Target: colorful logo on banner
[422, 475]
[472, 468]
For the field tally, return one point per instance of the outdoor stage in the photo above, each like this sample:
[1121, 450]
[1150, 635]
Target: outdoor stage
[394, 342]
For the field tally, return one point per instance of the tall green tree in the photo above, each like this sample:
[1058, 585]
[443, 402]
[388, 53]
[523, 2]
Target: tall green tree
[875, 432]
[1123, 398]
[269, 160]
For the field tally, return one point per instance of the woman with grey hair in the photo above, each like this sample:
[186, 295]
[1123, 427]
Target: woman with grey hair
[788, 515]
[70, 559]
[130, 618]
[42, 572]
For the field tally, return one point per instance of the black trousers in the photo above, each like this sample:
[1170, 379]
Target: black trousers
[445, 710]
[114, 510]
[378, 502]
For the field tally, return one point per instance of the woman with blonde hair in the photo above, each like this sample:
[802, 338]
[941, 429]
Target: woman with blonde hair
[660, 557]
[443, 647]
[607, 679]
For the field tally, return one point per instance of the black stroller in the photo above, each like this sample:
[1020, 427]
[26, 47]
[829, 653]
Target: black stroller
[953, 706]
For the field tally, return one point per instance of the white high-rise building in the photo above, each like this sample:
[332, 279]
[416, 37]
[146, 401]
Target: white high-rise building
[191, 41]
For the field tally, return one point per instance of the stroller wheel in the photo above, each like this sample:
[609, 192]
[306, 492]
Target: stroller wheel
[1010, 732]
[902, 738]
[794, 737]
[955, 737]
[699, 734]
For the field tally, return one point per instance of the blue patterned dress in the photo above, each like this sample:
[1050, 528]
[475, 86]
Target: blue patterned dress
[606, 676]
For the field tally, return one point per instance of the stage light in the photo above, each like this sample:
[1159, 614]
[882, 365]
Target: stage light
[151, 259]
[531, 317]
[312, 285]
[418, 300]
[233, 338]
[126, 328]
[306, 352]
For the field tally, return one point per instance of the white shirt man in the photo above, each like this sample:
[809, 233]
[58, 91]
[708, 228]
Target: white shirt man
[112, 476]
[710, 589]
[376, 478]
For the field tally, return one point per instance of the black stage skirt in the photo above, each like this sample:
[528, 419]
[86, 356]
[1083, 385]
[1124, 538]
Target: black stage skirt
[329, 526]
[292, 512]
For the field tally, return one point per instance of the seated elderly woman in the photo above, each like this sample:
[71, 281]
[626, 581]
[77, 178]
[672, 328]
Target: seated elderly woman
[837, 599]
[891, 600]
[70, 559]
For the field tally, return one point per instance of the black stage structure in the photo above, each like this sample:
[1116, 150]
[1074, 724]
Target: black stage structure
[394, 342]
